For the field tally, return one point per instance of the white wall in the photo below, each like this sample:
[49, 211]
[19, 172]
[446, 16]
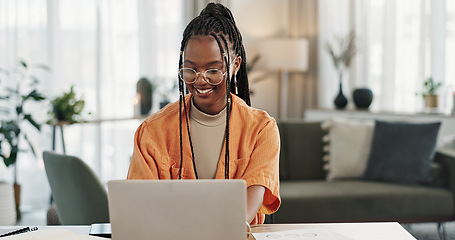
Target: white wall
[261, 19]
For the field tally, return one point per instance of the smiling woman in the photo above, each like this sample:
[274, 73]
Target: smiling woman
[212, 132]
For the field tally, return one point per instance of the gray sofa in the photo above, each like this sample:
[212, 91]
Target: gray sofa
[308, 197]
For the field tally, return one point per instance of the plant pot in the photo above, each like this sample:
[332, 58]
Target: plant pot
[7, 207]
[17, 198]
[431, 101]
[363, 97]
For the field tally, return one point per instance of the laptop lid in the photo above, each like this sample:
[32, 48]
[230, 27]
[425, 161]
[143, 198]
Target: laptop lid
[177, 209]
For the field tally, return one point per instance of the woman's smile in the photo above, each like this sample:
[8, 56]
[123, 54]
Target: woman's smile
[204, 91]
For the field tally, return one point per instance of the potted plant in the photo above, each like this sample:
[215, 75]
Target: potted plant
[11, 134]
[66, 109]
[342, 54]
[430, 95]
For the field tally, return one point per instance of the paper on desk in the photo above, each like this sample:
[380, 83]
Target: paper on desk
[301, 234]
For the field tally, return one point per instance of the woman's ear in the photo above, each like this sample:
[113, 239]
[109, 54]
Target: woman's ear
[236, 64]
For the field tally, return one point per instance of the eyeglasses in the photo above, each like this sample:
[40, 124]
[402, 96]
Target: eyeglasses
[211, 76]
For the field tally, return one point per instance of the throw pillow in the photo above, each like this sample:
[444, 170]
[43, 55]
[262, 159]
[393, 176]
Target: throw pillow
[402, 152]
[348, 147]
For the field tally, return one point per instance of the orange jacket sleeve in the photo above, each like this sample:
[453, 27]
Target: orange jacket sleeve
[143, 165]
[263, 168]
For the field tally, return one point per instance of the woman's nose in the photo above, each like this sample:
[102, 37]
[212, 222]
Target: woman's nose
[200, 79]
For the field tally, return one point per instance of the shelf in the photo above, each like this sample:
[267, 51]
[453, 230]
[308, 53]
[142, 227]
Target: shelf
[446, 132]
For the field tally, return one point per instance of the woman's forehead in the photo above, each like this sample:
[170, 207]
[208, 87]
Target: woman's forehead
[200, 49]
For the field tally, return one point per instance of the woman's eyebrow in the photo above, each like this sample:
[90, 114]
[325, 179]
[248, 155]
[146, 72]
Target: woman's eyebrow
[215, 62]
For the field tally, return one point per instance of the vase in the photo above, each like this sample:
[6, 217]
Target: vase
[362, 97]
[145, 90]
[7, 206]
[341, 101]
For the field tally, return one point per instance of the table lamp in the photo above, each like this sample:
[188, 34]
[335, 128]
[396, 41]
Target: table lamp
[284, 55]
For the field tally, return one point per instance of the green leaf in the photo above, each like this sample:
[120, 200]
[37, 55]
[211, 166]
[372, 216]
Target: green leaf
[8, 161]
[12, 157]
[35, 95]
[31, 121]
[31, 146]
[23, 63]
[19, 110]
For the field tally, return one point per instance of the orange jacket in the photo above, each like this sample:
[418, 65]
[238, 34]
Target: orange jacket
[254, 150]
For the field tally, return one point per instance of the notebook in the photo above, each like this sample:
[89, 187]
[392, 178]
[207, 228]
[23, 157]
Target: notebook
[177, 209]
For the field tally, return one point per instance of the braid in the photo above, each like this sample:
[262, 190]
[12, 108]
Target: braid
[228, 101]
[189, 137]
[181, 100]
[217, 21]
[228, 114]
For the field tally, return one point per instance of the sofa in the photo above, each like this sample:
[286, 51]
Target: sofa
[307, 196]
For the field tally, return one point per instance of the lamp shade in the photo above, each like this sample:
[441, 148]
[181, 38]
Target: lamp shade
[287, 54]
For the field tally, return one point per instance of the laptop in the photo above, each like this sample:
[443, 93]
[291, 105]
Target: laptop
[177, 209]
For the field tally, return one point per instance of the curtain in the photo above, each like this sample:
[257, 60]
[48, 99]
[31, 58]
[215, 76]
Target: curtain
[397, 50]
[303, 23]
[102, 47]
[450, 58]
[23, 37]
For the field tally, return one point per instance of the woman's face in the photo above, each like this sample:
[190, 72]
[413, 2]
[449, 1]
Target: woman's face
[202, 53]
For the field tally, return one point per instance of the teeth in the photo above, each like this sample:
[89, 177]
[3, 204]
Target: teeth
[204, 90]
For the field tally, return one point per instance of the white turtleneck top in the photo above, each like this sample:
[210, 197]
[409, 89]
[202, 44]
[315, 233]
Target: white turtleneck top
[207, 134]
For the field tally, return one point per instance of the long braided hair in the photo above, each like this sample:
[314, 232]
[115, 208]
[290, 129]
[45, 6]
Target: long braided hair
[216, 21]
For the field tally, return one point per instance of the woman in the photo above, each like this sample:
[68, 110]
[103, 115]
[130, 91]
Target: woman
[211, 132]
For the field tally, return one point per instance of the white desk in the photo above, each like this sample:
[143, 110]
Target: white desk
[354, 231]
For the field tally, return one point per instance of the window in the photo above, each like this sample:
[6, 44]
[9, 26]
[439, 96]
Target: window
[399, 48]
[102, 47]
